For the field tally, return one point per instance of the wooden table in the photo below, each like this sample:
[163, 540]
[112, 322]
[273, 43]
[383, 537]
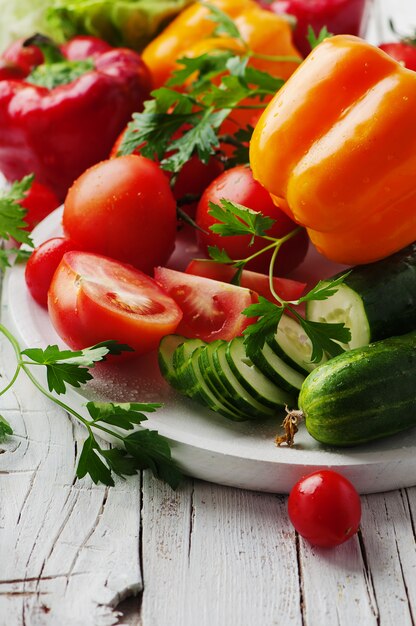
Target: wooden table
[206, 555]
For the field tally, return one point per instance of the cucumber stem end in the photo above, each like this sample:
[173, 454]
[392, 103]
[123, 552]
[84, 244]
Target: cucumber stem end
[290, 426]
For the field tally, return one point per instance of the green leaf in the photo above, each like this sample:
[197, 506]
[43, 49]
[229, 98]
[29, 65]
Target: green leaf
[151, 451]
[324, 289]
[12, 222]
[315, 40]
[91, 463]
[225, 24]
[236, 219]
[5, 428]
[202, 69]
[256, 334]
[120, 462]
[68, 366]
[123, 415]
[219, 255]
[325, 337]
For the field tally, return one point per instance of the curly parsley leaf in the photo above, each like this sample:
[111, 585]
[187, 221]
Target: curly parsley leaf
[324, 337]
[91, 463]
[5, 429]
[324, 289]
[71, 367]
[236, 219]
[125, 415]
[152, 451]
[225, 24]
[269, 315]
[315, 40]
[12, 215]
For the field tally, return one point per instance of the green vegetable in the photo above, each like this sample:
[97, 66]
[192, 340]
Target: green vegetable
[361, 395]
[375, 301]
[131, 23]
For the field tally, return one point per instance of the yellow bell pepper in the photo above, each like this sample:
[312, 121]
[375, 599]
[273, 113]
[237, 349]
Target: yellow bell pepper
[190, 34]
[336, 147]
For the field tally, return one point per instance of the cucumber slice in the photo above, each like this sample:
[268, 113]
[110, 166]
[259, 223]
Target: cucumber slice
[216, 369]
[293, 345]
[375, 301]
[277, 370]
[253, 380]
[167, 347]
[184, 351]
[193, 384]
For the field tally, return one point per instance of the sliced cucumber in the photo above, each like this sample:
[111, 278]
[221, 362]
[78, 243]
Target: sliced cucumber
[193, 384]
[375, 301]
[184, 351]
[277, 370]
[293, 345]
[216, 368]
[167, 347]
[253, 380]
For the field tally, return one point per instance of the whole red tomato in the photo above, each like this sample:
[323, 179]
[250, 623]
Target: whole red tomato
[39, 201]
[123, 208]
[339, 16]
[237, 184]
[94, 298]
[325, 508]
[41, 267]
[403, 51]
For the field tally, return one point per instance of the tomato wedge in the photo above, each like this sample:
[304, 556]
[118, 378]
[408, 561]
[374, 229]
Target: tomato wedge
[211, 309]
[93, 298]
[286, 288]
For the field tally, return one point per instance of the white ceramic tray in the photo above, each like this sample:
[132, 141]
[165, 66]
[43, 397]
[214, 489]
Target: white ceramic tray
[205, 444]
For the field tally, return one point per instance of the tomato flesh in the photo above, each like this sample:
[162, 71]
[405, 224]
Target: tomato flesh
[286, 288]
[94, 298]
[211, 309]
[325, 508]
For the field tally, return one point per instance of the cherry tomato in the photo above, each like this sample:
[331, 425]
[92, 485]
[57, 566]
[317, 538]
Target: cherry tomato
[402, 51]
[39, 201]
[93, 298]
[339, 16]
[287, 289]
[41, 267]
[123, 208]
[211, 309]
[325, 508]
[237, 184]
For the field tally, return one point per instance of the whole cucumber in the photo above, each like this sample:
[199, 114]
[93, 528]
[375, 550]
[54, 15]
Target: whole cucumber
[363, 394]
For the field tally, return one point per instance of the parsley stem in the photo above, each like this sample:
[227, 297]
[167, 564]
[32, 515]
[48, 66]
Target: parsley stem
[16, 349]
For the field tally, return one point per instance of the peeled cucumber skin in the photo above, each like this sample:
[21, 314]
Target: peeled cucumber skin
[363, 394]
[388, 291]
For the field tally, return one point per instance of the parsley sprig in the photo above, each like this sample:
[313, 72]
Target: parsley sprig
[12, 220]
[212, 86]
[135, 451]
[236, 219]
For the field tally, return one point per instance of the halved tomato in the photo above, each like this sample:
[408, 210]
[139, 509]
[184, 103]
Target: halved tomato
[211, 309]
[93, 298]
[286, 288]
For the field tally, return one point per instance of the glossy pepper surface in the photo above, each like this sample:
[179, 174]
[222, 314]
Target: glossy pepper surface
[336, 147]
[191, 34]
[57, 132]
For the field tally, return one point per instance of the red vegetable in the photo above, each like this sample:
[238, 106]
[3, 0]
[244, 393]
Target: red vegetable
[39, 202]
[94, 298]
[403, 51]
[58, 131]
[287, 289]
[237, 184]
[41, 267]
[123, 208]
[325, 508]
[339, 16]
[211, 309]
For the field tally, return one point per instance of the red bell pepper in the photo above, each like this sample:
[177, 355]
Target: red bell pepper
[63, 116]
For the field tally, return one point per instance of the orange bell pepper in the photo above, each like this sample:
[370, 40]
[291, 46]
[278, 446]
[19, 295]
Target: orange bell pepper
[190, 34]
[336, 147]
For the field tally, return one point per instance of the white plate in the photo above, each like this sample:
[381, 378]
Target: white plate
[205, 444]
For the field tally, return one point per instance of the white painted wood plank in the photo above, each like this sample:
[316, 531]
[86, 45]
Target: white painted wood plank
[228, 557]
[68, 549]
